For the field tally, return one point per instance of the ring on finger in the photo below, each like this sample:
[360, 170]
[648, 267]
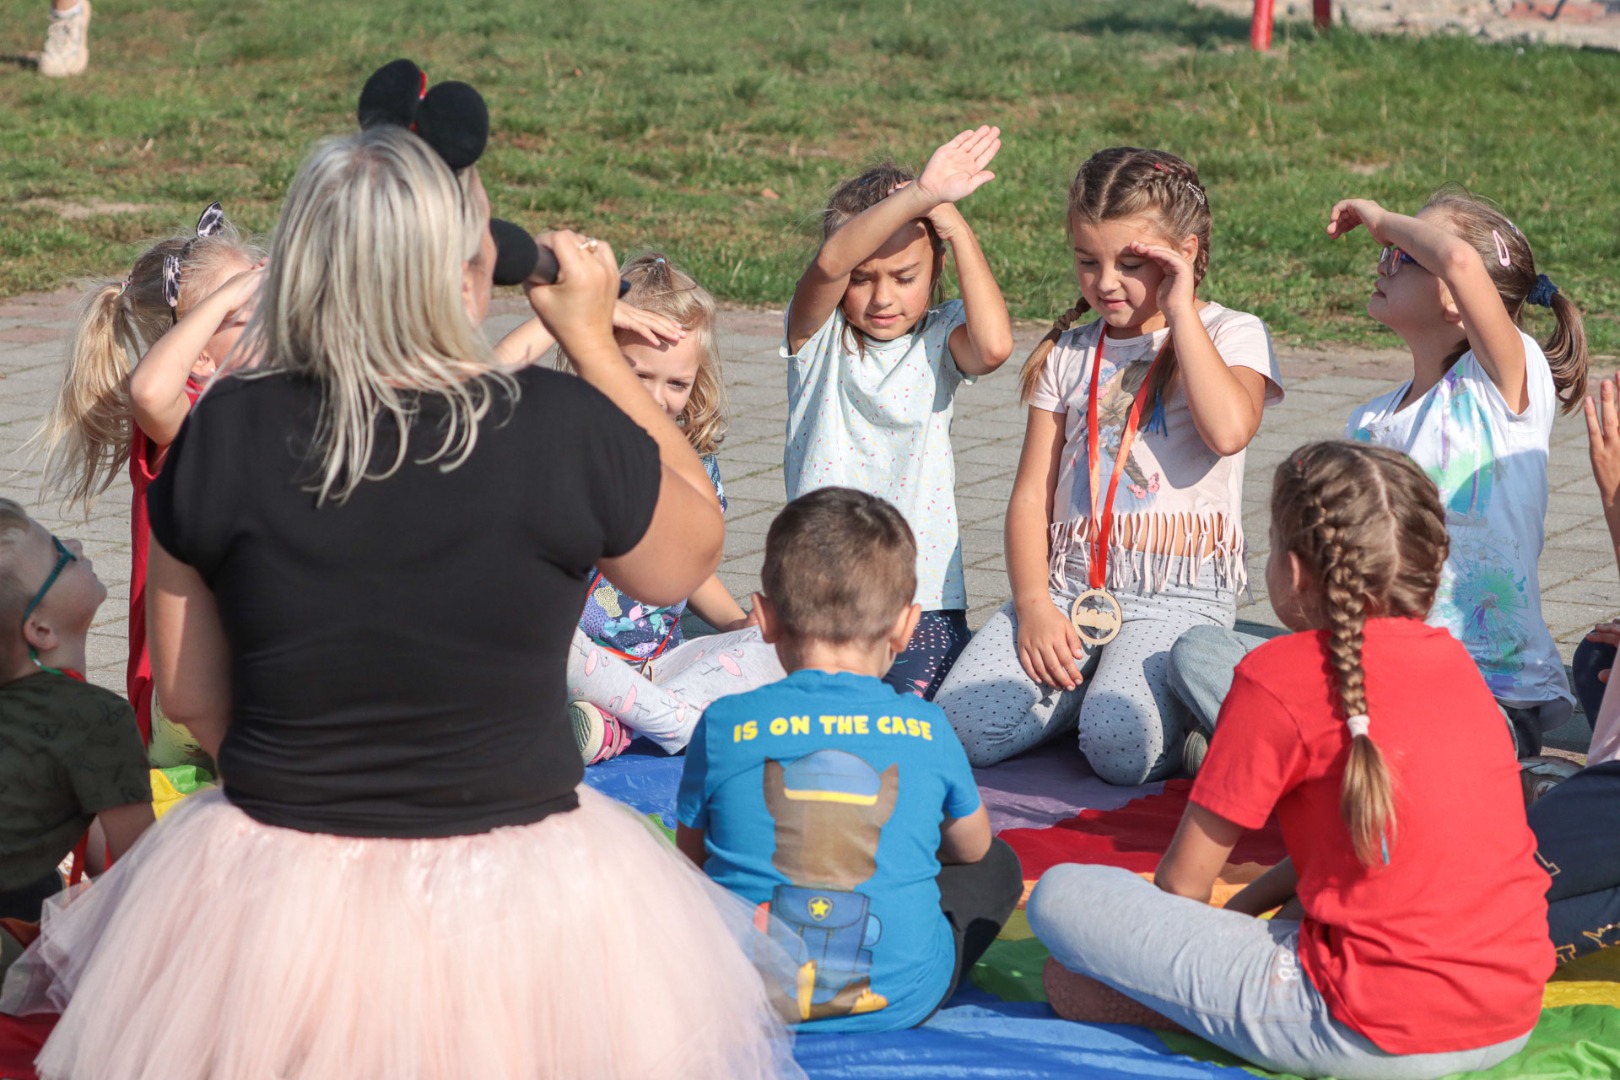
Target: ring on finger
[588, 244]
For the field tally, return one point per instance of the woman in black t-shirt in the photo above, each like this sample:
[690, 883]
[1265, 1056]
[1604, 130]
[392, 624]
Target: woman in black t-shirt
[368, 559]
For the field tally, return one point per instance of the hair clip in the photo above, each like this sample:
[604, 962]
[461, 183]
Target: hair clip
[123, 287]
[210, 223]
[1502, 255]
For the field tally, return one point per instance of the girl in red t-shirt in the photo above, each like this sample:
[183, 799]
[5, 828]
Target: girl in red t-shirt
[1412, 940]
[180, 310]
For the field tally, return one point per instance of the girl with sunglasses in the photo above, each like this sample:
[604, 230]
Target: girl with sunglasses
[1477, 415]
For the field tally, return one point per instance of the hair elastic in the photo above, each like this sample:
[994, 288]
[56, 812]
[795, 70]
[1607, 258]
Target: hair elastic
[123, 287]
[1357, 724]
[1502, 255]
[1542, 292]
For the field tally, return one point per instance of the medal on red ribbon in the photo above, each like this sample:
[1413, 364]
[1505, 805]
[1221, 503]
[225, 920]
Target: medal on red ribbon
[1096, 614]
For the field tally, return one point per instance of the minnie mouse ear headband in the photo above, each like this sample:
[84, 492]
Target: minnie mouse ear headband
[453, 119]
[209, 224]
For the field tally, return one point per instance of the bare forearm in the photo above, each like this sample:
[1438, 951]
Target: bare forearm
[714, 602]
[1223, 409]
[989, 327]
[1270, 890]
[1028, 552]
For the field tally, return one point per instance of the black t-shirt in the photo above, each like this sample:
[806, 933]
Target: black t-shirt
[398, 659]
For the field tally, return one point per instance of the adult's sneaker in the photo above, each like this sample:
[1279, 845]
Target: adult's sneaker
[67, 42]
[598, 735]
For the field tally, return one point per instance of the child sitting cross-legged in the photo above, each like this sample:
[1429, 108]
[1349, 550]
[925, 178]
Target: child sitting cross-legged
[72, 753]
[848, 813]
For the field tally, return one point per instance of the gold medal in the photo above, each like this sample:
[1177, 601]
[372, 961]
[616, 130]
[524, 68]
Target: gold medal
[1097, 617]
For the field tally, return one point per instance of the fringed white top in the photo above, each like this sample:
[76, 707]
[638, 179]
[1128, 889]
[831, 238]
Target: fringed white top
[1177, 497]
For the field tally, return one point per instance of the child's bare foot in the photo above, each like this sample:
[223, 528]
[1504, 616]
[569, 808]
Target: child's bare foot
[1074, 996]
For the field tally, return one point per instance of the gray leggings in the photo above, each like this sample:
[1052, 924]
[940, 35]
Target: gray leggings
[1128, 721]
[663, 698]
[1233, 979]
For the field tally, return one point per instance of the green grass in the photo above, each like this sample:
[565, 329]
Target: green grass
[715, 128]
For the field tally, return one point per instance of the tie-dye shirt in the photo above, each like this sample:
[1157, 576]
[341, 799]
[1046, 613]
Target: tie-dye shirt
[618, 621]
[1490, 465]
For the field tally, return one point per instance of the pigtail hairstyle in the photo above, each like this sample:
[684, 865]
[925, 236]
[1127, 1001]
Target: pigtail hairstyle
[1366, 522]
[1123, 182]
[859, 194]
[1512, 266]
[85, 437]
[664, 289]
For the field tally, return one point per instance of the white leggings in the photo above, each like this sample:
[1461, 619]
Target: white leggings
[662, 699]
[1129, 722]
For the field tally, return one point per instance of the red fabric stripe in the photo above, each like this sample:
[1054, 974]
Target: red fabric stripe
[1134, 836]
[21, 1038]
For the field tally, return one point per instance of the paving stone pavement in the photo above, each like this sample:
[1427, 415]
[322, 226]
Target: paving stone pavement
[1580, 584]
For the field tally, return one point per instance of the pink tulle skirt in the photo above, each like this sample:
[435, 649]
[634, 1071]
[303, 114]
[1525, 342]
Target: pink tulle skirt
[578, 947]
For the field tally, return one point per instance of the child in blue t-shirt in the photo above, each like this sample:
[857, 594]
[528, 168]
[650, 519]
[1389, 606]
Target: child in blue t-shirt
[831, 801]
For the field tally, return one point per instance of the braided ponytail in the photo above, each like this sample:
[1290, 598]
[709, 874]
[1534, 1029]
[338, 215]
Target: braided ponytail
[1030, 377]
[1368, 524]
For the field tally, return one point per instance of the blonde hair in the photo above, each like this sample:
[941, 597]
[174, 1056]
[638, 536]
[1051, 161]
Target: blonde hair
[86, 436]
[364, 294]
[15, 525]
[810, 550]
[1124, 182]
[1489, 232]
[659, 286]
[1367, 523]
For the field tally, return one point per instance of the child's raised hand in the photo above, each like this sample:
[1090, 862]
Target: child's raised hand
[957, 169]
[650, 326]
[1178, 289]
[1049, 648]
[1348, 213]
[241, 291]
[1603, 440]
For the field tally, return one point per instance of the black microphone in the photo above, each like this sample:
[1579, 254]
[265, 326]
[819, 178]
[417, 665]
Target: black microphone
[518, 258]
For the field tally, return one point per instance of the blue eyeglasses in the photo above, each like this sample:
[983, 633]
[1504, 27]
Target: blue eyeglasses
[63, 557]
[1392, 259]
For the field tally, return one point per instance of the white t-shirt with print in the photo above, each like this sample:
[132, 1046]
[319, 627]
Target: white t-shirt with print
[1490, 465]
[1172, 480]
[878, 419]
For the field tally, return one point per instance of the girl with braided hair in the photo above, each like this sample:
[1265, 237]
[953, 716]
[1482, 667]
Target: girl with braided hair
[1410, 876]
[1125, 527]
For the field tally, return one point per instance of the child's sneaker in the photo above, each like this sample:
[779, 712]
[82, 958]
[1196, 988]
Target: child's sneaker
[598, 735]
[1193, 749]
[67, 43]
[1540, 775]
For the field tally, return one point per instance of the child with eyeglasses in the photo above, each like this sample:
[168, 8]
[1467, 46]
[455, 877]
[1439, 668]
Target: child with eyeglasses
[72, 752]
[1477, 414]
[141, 354]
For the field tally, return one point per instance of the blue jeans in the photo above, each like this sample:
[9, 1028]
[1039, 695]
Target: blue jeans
[1230, 978]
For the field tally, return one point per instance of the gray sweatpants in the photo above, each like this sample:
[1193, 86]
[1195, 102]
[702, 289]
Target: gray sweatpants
[1129, 722]
[1233, 979]
[664, 698]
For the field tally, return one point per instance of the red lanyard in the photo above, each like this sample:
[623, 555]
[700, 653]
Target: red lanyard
[1102, 520]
